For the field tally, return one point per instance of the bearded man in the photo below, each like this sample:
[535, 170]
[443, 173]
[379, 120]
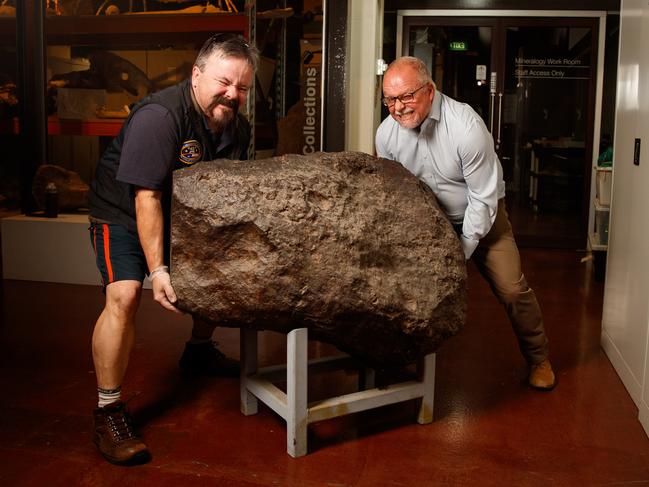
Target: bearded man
[195, 120]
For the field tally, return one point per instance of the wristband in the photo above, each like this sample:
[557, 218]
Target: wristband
[158, 270]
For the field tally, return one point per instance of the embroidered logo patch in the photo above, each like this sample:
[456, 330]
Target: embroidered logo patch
[191, 152]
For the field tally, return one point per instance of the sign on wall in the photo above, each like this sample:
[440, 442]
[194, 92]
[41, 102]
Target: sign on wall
[551, 68]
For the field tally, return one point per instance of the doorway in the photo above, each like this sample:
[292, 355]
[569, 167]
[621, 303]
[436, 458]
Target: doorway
[533, 81]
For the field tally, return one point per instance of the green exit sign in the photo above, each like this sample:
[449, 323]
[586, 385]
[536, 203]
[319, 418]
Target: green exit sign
[458, 46]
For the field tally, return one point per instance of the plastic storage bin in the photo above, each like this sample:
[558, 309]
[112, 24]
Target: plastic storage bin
[603, 185]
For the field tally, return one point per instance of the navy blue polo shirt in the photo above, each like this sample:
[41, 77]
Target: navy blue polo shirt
[150, 148]
[164, 133]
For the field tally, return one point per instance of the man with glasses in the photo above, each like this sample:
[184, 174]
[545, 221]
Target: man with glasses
[196, 120]
[446, 144]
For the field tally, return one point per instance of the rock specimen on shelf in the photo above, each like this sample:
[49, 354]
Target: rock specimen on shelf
[72, 191]
[352, 247]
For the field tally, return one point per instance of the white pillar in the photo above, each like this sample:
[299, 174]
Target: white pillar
[365, 31]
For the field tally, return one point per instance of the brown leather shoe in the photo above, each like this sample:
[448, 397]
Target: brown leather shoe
[116, 438]
[541, 376]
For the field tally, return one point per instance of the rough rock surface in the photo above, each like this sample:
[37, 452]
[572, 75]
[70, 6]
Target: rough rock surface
[350, 246]
[73, 192]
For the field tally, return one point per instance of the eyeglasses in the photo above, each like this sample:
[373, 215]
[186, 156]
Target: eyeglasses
[388, 101]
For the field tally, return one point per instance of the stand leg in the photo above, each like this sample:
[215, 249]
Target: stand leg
[296, 392]
[427, 373]
[248, 356]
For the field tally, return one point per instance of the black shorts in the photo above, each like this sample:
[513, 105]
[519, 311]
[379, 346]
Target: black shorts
[119, 254]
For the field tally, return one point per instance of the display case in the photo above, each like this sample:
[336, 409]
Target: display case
[147, 52]
[150, 51]
[92, 66]
[127, 57]
[115, 59]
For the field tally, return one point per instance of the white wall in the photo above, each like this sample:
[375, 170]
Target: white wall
[49, 249]
[625, 330]
[365, 36]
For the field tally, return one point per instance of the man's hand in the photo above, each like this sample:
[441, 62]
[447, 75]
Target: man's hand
[150, 228]
[468, 246]
[163, 293]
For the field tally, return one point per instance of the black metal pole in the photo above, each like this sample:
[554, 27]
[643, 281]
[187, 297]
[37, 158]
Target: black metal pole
[30, 40]
[335, 81]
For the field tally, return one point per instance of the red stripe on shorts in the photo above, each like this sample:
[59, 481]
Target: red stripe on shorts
[109, 267]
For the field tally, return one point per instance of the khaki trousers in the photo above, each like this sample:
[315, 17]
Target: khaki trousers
[499, 262]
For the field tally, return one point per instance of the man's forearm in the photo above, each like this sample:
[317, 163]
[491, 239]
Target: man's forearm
[150, 226]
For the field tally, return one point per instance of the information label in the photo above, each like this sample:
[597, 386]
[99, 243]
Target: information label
[551, 68]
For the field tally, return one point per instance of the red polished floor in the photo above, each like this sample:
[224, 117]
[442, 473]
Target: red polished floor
[490, 429]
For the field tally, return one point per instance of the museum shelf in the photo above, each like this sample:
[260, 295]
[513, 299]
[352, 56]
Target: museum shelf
[125, 31]
[139, 28]
[122, 29]
[162, 47]
[101, 127]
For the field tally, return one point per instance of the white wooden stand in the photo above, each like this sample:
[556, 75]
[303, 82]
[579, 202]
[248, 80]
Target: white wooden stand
[257, 384]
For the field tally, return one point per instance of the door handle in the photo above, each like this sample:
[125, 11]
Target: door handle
[500, 122]
[492, 100]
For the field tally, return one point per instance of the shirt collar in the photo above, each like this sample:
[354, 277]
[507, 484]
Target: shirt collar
[436, 107]
[434, 113]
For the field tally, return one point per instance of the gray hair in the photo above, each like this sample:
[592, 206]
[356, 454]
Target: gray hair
[227, 45]
[423, 75]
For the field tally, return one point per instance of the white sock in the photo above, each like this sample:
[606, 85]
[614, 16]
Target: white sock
[107, 396]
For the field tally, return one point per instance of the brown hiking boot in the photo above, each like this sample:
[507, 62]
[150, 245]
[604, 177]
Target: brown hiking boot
[541, 376]
[116, 438]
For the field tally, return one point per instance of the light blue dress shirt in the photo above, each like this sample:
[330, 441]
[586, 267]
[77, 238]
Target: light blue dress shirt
[453, 153]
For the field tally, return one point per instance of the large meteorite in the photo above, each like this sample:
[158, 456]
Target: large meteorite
[353, 247]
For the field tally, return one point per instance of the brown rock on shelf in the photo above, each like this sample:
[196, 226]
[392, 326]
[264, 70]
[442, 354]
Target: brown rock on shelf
[72, 191]
[353, 247]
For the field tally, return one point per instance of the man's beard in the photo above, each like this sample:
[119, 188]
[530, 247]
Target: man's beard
[410, 123]
[218, 125]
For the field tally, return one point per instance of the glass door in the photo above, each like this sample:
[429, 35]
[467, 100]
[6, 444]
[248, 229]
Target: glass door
[459, 56]
[545, 128]
[532, 80]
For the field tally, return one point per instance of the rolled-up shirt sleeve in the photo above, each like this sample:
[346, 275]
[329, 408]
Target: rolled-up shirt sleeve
[482, 173]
